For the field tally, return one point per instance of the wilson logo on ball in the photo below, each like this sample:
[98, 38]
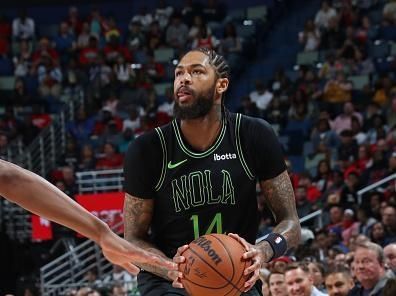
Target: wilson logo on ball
[206, 246]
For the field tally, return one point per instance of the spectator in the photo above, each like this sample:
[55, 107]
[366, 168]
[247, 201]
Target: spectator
[74, 21]
[69, 179]
[83, 37]
[118, 290]
[144, 18]
[390, 257]
[127, 138]
[276, 283]
[113, 50]
[261, 96]
[96, 22]
[87, 159]
[378, 129]
[359, 135]
[231, 47]
[339, 282]
[136, 39]
[65, 42]
[389, 222]
[111, 159]
[323, 133]
[23, 27]
[111, 30]
[44, 49]
[369, 269]
[204, 39]
[324, 15]
[365, 221]
[154, 36]
[316, 271]
[119, 275]
[324, 176]
[163, 13]
[299, 281]
[389, 11]
[337, 91]
[302, 204]
[310, 37]
[133, 122]
[333, 37]
[49, 78]
[348, 150]
[377, 234]
[82, 128]
[344, 120]
[89, 55]
[177, 33]
[198, 21]
[23, 60]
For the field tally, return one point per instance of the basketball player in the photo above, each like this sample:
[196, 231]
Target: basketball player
[198, 175]
[35, 194]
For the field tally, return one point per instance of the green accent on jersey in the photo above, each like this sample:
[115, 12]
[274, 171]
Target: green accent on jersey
[217, 221]
[164, 158]
[202, 154]
[239, 147]
[175, 165]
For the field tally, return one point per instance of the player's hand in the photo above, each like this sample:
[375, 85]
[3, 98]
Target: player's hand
[256, 256]
[120, 252]
[177, 275]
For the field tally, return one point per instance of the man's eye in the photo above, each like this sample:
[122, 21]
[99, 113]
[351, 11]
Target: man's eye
[197, 72]
[178, 73]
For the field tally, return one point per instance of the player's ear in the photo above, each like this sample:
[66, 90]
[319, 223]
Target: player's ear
[222, 85]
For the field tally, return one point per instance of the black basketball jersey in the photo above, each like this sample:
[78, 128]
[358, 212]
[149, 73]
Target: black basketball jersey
[196, 193]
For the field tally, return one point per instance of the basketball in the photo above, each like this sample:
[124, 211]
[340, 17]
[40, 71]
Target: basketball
[214, 266]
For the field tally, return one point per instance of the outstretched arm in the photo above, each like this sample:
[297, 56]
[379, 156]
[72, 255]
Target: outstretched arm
[38, 196]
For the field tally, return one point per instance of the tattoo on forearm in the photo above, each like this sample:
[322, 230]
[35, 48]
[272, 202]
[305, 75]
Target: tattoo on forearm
[279, 196]
[137, 219]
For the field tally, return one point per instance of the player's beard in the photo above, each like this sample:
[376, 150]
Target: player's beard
[201, 105]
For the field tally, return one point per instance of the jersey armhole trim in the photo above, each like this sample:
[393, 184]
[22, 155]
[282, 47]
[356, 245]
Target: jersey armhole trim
[164, 159]
[239, 147]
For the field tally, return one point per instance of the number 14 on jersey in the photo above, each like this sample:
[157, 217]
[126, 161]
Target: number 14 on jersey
[216, 222]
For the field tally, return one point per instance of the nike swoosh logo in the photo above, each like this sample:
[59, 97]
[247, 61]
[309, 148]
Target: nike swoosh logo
[174, 165]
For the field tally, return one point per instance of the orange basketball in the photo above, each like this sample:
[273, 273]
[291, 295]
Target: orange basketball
[214, 266]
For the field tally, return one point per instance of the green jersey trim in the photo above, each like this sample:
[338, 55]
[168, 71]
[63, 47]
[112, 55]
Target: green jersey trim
[239, 147]
[164, 159]
[195, 154]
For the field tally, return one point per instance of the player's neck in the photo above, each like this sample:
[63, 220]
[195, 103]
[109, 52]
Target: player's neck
[202, 132]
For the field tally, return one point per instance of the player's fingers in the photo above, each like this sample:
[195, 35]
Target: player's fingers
[133, 269]
[177, 284]
[250, 254]
[252, 268]
[241, 240]
[179, 259]
[252, 280]
[175, 275]
[181, 250]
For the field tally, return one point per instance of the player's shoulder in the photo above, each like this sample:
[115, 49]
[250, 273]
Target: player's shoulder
[250, 123]
[152, 137]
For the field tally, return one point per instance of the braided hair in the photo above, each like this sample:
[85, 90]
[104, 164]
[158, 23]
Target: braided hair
[217, 61]
[221, 67]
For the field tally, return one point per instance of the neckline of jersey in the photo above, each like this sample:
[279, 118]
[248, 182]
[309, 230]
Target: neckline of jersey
[202, 154]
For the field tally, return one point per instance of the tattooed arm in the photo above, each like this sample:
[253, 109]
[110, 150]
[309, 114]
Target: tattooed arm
[279, 196]
[138, 214]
